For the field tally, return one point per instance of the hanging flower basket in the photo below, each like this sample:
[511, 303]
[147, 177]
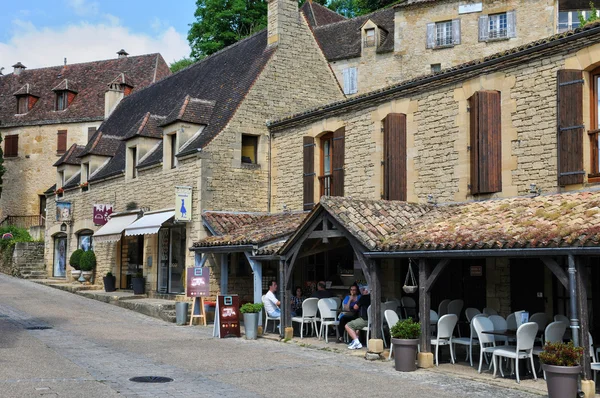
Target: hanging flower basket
[412, 287]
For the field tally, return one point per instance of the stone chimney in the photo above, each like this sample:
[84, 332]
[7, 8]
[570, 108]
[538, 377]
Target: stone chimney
[281, 14]
[122, 53]
[112, 97]
[19, 67]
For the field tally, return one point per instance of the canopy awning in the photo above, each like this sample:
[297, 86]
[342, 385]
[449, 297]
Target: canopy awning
[112, 230]
[150, 223]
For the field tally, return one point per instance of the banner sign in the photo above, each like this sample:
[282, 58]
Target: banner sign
[183, 204]
[102, 213]
[198, 281]
[63, 211]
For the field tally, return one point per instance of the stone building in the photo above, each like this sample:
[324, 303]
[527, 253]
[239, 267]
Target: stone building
[44, 111]
[203, 128]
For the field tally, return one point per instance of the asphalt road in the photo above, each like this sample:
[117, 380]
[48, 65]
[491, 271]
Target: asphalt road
[92, 349]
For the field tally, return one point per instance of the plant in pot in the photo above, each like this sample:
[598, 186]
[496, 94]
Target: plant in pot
[87, 264]
[251, 312]
[405, 338]
[75, 262]
[138, 282]
[561, 363]
[109, 282]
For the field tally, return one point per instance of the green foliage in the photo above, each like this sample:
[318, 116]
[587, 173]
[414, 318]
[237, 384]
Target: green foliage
[109, 274]
[183, 63]
[88, 261]
[406, 329]
[347, 8]
[75, 259]
[19, 235]
[131, 206]
[139, 274]
[561, 354]
[250, 308]
[592, 16]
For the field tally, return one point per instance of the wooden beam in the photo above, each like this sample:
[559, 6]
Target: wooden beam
[290, 267]
[331, 233]
[425, 303]
[200, 259]
[375, 286]
[363, 264]
[435, 274]
[557, 270]
[257, 280]
[320, 247]
[286, 296]
[582, 314]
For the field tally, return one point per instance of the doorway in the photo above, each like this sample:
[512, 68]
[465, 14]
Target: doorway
[60, 255]
[132, 259]
[171, 269]
[527, 285]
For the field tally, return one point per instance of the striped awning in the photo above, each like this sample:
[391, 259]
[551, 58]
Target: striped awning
[113, 229]
[150, 223]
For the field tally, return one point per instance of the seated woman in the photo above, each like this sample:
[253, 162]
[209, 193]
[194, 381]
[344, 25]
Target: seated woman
[297, 300]
[349, 313]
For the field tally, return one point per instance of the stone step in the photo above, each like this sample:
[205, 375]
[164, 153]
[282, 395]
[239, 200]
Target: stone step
[34, 274]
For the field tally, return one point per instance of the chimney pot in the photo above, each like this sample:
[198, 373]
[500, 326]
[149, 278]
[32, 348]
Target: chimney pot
[18, 68]
[65, 61]
[122, 53]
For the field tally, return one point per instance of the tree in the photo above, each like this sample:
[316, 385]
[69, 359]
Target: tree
[367, 6]
[220, 23]
[347, 8]
[181, 64]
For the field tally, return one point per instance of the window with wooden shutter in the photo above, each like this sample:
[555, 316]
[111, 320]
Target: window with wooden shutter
[350, 77]
[456, 31]
[486, 142]
[91, 132]
[483, 28]
[337, 188]
[22, 104]
[61, 142]
[570, 127]
[394, 157]
[11, 146]
[308, 173]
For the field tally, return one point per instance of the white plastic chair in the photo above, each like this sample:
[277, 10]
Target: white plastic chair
[524, 349]
[309, 315]
[468, 341]
[338, 302]
[499, 324]
[487, 342]
[409, 306]
[368, 327]
[542, 320]
[455, 307]
[553, 334]
[327, 309]
[471, 312]
[511, 322]
[443, 307]
[562, 318]
[433, 320]
[268, 318]
[490, 311]
[388, 305]
[391, 319]
[446, 326]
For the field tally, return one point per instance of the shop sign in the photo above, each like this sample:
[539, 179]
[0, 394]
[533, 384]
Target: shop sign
[227, 315]
[63, 211]
[469, 8]
[476, 270]
[198, 281]
[102, 214]
[183, 204]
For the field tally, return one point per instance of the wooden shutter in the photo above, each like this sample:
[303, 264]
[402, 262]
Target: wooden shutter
[346, 73]
[337, 162]
[456, 31]
[353, 81]
[394, 162]
[61, 141]
[11, 146]
[511, 23]
[570, 127]
[486, 142]
[484, 28]
[431, 35]
[91, 132]
[309, 173]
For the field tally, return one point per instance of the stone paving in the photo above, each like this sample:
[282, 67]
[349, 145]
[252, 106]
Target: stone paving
[93, 348]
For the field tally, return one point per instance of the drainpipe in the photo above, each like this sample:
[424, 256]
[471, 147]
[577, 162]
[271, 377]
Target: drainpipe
[269, 176]
[573, 301]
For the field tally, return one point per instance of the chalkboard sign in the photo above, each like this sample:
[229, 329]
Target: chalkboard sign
[198, 282]
[227, 316]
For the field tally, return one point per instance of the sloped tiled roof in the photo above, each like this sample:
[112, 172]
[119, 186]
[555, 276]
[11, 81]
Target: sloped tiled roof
[102, 144]
[318, 15]
[73, 181]
[233, 229]
[71, 156]
[192, 110]
[66, 84]
[91, 79]
[26, 89]
[148, 126]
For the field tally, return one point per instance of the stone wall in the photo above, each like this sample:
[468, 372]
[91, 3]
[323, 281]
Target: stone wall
[497, 287]
[25, 259]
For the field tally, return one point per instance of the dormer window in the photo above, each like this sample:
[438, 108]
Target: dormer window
[22, 104]
[370, 37]
[62, 100]
[174, 149]
[25, 99]
[134, 162]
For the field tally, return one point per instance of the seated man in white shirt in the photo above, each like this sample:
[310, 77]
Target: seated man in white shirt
[271, 303]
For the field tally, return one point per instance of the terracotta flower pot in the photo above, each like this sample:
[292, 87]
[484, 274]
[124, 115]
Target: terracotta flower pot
[405, 354]
[561, 380]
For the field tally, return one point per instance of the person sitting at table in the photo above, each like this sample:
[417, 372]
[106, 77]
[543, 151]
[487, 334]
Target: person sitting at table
[297, 300]
[321, 291]
[361, 321]
[271, 303]
[348, 313]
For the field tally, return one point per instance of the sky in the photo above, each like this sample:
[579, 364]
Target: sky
[41, 33]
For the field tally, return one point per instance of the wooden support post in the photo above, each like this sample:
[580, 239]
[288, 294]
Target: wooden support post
[424, 305]
[198, 310]
[284, 299]
[557, 270]
[224, 273]
[582, 314]
[286, 293]
[375, 285]
[257, 279]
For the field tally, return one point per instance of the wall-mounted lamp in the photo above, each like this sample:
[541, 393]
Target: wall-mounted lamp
[430, 199]
[534, 189]
[63, 227]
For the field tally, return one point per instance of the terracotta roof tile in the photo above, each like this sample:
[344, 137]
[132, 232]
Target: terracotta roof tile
[318, 15]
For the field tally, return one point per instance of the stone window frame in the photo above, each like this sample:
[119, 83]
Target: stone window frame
[325, 180]
[370, 39]
[255, 144]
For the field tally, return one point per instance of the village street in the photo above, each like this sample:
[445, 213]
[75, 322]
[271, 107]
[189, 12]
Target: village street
[92, 349]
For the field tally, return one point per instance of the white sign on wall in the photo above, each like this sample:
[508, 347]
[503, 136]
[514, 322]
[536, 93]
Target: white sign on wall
[183, 204]
[469, 8]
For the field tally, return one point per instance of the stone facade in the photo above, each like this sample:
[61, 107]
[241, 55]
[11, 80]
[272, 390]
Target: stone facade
[26, 261]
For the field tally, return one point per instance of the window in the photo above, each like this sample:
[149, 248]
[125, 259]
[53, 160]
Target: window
[22, 104]
[86, 171]
[42, 199]
[331, 179]
[173, 144]
[134, 160]
[370, 38]
[249, 149]
[61, 142]
[11, 146]
[568, 20]
[435, 68]
[85, 241]
[326, 152]
[350, 84]
[91, 132]
[61, 179]
[443, 34]
[497, 26]
[62, 100]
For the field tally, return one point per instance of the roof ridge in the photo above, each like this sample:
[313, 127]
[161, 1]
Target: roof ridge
[354, 19]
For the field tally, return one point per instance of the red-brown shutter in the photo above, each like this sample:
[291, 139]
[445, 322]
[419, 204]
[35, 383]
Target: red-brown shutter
[337, 162]
[61, 141]
[570, 127]
[394, 160]
[486, 142]
[309, 173]
[11, 146]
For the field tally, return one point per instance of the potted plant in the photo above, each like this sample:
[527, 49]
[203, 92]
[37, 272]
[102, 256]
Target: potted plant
[561, 364]
[405, 338]
[87, 263]
[138, 282]
[75, 261]
[251, 312]
[109, 282]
